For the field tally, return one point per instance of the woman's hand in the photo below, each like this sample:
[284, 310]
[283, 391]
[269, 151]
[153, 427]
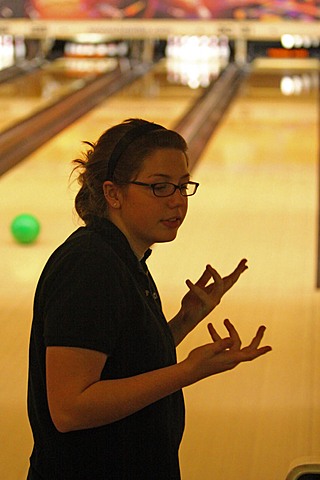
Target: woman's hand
[224, 353]
[204, 296]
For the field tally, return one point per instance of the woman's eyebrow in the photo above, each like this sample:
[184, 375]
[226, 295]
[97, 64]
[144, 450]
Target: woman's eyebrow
[164, 176]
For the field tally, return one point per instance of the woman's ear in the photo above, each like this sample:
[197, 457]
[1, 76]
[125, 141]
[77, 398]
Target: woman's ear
[112, 194]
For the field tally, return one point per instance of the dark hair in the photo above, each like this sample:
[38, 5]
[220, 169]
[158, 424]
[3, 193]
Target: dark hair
[93, 168]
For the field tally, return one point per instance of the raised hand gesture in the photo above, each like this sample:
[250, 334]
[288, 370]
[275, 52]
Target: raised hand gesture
[205, 294]
[224, 353]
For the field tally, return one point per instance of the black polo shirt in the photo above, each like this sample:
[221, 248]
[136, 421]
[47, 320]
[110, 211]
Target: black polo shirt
[95, 294]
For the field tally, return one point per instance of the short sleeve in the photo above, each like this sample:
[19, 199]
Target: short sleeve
[84, 303]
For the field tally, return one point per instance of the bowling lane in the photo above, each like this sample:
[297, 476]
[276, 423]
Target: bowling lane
[40, 185]
[258, 199]
[23, 96]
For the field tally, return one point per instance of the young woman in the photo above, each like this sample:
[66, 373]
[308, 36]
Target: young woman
[105, 389]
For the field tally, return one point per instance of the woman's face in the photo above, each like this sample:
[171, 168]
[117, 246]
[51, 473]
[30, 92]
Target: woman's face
[146, 219]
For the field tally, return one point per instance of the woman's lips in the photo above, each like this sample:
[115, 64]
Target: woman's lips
[173, 222]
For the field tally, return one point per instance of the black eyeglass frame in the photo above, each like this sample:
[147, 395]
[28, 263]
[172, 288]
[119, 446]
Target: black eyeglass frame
[176, 187]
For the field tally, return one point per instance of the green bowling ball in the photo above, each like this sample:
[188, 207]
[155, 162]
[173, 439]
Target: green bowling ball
[25, 228]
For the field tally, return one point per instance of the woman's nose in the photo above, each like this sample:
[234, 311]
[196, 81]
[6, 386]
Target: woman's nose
[177, 199]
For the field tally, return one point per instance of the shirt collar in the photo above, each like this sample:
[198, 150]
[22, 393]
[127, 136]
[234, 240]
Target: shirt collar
[119, 243]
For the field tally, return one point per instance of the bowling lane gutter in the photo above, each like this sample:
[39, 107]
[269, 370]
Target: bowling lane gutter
[198, 126]
[22, 139]
[21, 69]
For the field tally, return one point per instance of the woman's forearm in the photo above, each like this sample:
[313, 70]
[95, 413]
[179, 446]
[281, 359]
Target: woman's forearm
[78, 399]
[108, 401]
[181, 325]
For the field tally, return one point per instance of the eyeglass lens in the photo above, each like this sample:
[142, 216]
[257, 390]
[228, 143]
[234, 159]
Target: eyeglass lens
[166, 189]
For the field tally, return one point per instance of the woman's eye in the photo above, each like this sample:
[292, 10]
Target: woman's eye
[160, 187]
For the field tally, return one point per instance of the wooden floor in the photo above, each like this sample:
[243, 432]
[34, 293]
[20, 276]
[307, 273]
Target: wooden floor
[258, 199]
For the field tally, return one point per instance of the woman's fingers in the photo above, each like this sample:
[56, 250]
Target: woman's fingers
[214, 274]
[253, 350]
[198, 291]
[204, 279]
[247, 353]
[213, 333]
[257, 338]
[231, 279]
[233, 334]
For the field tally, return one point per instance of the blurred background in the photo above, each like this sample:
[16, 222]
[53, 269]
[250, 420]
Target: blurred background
[240, 81]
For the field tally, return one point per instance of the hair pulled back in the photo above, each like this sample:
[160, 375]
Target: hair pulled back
[92, 168]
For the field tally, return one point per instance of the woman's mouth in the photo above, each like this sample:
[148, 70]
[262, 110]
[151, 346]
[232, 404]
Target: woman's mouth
[173, 222]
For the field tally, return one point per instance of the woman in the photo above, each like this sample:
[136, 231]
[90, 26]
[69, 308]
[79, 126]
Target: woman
[105, 399]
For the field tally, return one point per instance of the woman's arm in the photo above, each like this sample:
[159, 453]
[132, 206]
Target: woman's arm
[78, 399]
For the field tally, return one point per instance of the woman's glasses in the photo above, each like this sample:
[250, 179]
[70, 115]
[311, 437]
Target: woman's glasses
[166, 189]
